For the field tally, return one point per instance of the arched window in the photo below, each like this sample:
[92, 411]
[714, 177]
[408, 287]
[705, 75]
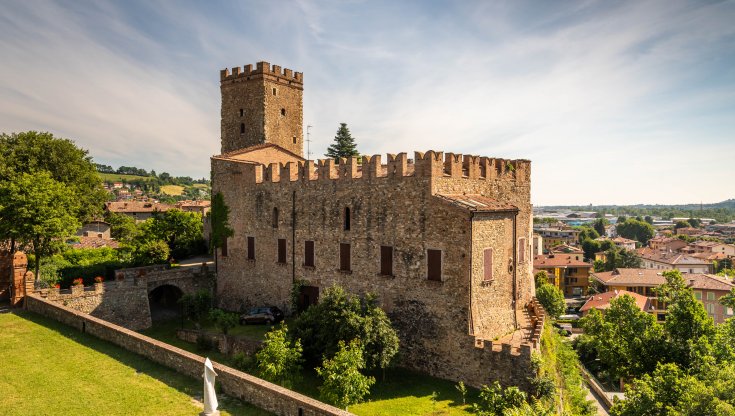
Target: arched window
[242, 128]
[275, 217]
[347, 218]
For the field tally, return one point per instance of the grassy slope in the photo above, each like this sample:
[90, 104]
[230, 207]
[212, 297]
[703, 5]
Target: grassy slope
[116, 177]
[51, 369]
[173, 190]
[403, 392]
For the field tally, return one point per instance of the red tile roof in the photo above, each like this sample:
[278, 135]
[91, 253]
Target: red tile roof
[477, 203]
[602, 301]
[95, 242]
[558, 260]
[136, 206]
[631, 277]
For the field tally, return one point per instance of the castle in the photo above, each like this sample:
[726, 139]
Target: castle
[442, 239]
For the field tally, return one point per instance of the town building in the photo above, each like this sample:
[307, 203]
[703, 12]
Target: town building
[568, 272]
[554, 236]
[601, 301]
[443, 240]
[661, 260]
[667, 244]
[99, 229]
[200, 206]
[138, 210]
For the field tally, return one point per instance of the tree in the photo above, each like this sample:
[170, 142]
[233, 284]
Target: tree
[343, 384]
[279, 359]
[590, 247]
[648, 219]
[182, 231]
[122, 227]
[729, 299]
[616, 258]
[587, 233]
[196, 306]
[150, 252]
[30, 152]
[599, 225]
[494, 400]
[694, 222]
[340, 316]
[636, 230]
[344, 145]
[39, 210]
[219, 216]
[552, 299]
[223, 320]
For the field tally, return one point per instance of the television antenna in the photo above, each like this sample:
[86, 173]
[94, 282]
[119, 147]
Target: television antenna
[308, 142]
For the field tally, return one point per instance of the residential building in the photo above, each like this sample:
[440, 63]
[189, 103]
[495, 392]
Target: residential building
[554, 236]
[601, 301]
[659, 260]
[537, 243]
[138, 210]
[668, 244]
[568, 272]
[199, 206]
[98, 229]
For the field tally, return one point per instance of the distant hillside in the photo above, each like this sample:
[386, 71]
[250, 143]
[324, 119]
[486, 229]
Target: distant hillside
[116, 177]
[721, 211]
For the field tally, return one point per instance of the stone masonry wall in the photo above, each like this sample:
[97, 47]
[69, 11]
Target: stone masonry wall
[260, 393]
[124, 302]
[392, 205]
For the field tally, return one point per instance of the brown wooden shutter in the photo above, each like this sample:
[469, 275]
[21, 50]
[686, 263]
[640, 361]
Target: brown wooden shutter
[488, 264]
[251, 248]
[522, 250]
[386, 260]
[434, 261]
[344, 256]
[309, 253]
[282, 250]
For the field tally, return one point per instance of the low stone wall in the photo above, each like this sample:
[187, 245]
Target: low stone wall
[123, 302]
[132, 272]
[232, 344]
[260, 393]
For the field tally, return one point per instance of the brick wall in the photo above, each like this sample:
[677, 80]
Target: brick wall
[260, 393]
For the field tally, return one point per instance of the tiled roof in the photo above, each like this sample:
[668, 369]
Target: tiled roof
[631, 277]
[477, 203]
[669, 258]
[95, 242]
[136, 206]
[241, 152]
[566, 248]
[558, 260]
[708, 282]
[602, 301]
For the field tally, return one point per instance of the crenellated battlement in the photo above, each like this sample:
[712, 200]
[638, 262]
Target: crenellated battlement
[262, 69]
[430, 164]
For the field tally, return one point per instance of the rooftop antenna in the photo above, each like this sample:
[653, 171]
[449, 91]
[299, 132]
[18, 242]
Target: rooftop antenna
[308, 142]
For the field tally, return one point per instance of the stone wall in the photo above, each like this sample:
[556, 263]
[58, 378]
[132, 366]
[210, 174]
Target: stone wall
[123, 302]
[260, 393]
[226, 345]
[391, 204]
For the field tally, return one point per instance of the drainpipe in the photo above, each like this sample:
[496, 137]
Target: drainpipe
[515, 272]
[293, 237]
[471, 321]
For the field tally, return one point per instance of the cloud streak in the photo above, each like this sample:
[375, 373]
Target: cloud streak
[613, 102]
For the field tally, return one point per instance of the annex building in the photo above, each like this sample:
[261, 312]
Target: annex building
[442, 239]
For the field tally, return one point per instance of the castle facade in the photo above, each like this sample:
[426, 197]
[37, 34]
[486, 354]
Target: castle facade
[442, 239]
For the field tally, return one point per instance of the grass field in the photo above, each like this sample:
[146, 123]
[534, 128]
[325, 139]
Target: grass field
[116, 177]
[173, 190]
[402, 393]
[51, 369]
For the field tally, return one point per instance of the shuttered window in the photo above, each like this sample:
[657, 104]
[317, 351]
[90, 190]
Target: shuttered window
[344, 257]
[251, 248]
[488, 265]
[386, 260]
[309, 253]
[282, 250]
[434, 263]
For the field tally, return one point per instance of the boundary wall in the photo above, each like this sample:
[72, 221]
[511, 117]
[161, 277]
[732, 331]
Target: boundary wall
[260, 393]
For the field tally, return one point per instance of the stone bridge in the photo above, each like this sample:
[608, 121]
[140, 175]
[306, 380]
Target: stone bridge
[188, 279]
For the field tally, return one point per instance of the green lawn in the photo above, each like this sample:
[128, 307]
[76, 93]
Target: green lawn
[173, 190]
[402, 393]
[116, 177]
[51, 369]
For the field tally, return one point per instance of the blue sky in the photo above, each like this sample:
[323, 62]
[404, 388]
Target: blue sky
[613, 102]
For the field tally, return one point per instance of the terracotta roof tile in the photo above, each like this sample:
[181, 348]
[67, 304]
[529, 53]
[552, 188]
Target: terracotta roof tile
[478, 203]
[558, 260]
[602, 301]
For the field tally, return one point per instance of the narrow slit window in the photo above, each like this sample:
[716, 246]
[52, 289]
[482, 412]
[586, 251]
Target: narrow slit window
[242, 128]
[294, 139]
[242, 112]
[275, 217]
[488, 265]
[309, 253]
[386, 260]
[251, 248]
[282, 250]
[344, 257]
[347, 219]
[274, 91]
[434, 265]
[283, 112]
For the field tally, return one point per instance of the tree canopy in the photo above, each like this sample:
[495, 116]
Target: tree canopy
[636, 230]
[344, 145]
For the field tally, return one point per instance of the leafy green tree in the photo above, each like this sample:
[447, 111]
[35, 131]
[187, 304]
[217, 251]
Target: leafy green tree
[600, 224]
[636, 230]
[122, 227]
[626, 339]
[494, 400]
[344, 145]
[648, 219]
[196, 306]
[616, 257]
[340, 316]
[342, 382]
[681, 224]
[279, 359]
[541, 278]
[729, 299]
[552, 299]
[39, 210]
[30, 152]
[587, 233]
[219, 216]
[182, 231]
[694, 222]
[590, 247]
[223, 320]
[150, 252]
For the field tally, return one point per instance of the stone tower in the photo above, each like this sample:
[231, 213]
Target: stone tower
[262, 105]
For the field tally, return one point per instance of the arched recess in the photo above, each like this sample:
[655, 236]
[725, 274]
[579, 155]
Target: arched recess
[164, 302]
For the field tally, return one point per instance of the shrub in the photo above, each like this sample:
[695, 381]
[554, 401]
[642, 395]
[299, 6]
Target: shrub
[224, 321]
[204, 343]
[552, 299]
[343, 384]
[243, 362]
[279, 359]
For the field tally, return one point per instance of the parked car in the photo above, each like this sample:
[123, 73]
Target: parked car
[264, 315]
[569, 317]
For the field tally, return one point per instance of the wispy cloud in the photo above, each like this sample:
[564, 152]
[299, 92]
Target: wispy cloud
[613, 102]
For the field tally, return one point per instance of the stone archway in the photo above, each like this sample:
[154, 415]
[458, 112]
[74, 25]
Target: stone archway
[163, 301]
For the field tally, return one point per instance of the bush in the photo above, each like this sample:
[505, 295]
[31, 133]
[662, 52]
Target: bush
[196, 306]
[204, 343]
[151, 252]
[552, 299]
[343, 384]
[243, 362]
[224, 321]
